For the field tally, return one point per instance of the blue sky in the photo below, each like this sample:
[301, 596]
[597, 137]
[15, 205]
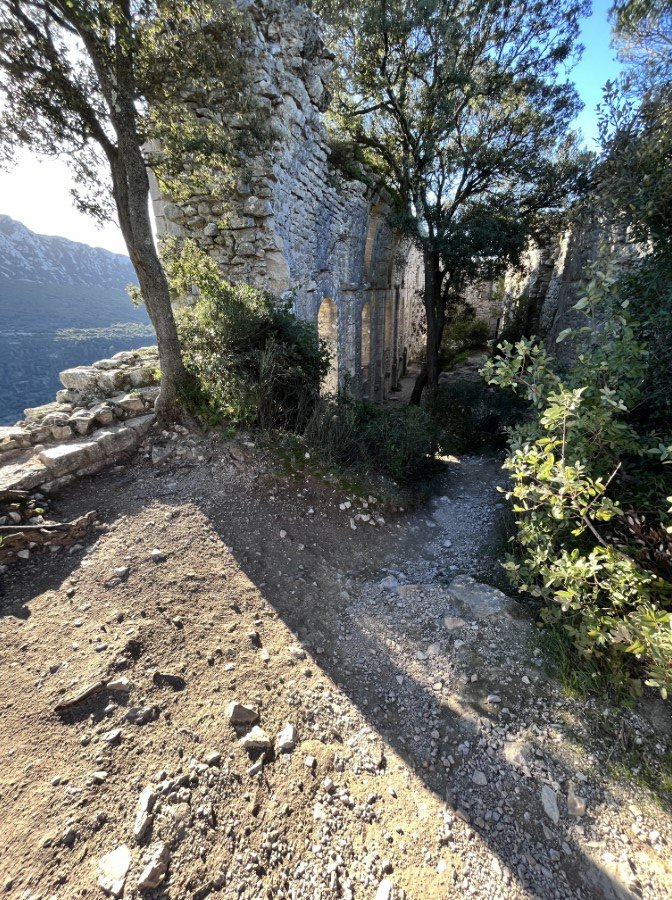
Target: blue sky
[37, 192]
[598, 65]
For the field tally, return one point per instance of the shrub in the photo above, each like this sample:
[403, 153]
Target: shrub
[471, 415]
[354, 434]
[253, 361]
[589, 482]
[463, 334]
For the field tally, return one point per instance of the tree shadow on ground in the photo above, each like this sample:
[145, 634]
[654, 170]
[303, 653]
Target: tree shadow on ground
[300, 581]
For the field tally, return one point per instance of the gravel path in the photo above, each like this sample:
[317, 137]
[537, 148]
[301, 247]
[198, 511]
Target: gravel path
[396, 733]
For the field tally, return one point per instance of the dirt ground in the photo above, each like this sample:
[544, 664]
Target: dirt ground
[433, 755]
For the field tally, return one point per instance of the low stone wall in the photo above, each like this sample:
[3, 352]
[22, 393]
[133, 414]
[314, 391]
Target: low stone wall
[102, 412]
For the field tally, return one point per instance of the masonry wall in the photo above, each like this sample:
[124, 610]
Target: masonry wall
[299, 226]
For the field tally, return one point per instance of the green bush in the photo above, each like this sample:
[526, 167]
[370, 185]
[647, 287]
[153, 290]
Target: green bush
[354, 434]
[471, 415]
[463, 334]
[590, 485]
[254, 363]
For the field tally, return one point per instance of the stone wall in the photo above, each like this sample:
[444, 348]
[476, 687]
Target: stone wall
[103, 412]
[550, 278]
[299, 227]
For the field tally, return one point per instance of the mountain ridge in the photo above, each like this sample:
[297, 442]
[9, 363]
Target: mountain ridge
[45, 259]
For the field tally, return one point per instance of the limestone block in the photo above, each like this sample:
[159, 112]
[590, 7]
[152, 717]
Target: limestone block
[82, 421]
[141, 424]
[67, 458]
[106, 364]
[117, 440]
[23, 475]
[277, 271]
[40, 413]
[126, 357]
[60, 432]
[111, 381]
[142, 376]
[68, 396]
[257, 207]
[12, 437]
[130, 404]
[149, 394]
[81, 378]
[103, 414]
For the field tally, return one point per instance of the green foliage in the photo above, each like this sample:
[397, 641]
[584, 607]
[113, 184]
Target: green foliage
[356, 435]
[582, 471]
[471, 415]
[460, 112]
[74, 75]
[254, 363]
[464, 333]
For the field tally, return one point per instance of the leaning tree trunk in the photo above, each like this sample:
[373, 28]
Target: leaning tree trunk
[434, 303]
[131, 194]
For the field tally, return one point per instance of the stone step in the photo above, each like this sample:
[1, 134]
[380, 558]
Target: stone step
[49, 466]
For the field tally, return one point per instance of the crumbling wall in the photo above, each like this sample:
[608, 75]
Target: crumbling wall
[544, 289]
[297, 225]
[103, 412]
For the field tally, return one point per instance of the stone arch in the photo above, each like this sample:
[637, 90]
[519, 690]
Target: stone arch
[366, 349]
[327, 330]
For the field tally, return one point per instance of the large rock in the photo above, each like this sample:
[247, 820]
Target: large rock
[64, 459]
[113, 868]
[479, 600]
[117, 440]
[80, 378]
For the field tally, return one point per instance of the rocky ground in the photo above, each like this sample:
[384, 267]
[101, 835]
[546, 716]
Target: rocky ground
[252, 684]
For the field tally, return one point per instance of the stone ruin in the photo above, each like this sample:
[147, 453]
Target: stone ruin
[103, 411]
[299, 226]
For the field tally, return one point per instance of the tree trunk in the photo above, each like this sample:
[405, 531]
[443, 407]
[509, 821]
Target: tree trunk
[131, 194]
[435, 312]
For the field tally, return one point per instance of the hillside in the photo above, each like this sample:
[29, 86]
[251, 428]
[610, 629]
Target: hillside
[39, 258]
[61, 304]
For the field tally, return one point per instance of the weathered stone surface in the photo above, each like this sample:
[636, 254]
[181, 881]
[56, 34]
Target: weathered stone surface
[480, 600]
[80, 378]
[23, 474]
[241, 714]
[256, 739]
[39, 413]
[117, 440]
[66, 458]
[303, 225]
[13, 437]
[155, 871]
[113, 868]
[550, 803]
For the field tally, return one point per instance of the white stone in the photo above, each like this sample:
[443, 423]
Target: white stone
[550, 803]
[286, 739]
[256, 739]
[113, 868]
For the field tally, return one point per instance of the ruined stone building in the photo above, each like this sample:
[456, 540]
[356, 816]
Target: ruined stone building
[301, 227]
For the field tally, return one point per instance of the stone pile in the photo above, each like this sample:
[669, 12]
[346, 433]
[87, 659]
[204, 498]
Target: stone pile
[103, 411]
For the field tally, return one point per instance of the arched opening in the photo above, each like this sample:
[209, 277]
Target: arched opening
[388, 350]
[366, 349]
[327, 330]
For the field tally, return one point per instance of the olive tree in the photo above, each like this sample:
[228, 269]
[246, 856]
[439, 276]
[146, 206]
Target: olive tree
[100, 83]
[461, 108]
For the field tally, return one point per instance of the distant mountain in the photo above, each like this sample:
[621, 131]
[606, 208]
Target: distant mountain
[62, 304]
[38, 258]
